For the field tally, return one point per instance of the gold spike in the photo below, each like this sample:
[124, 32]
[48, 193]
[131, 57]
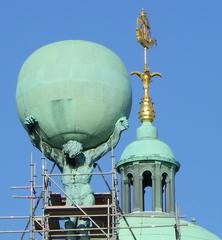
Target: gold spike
[144, 38]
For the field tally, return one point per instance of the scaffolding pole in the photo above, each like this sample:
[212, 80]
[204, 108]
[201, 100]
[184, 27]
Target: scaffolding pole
[44, 222]
[114, 200]
[32, 200]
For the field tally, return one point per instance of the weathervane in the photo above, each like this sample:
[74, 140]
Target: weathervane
[144, 38]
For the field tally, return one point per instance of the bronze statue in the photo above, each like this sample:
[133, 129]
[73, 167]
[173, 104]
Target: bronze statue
[73, 161]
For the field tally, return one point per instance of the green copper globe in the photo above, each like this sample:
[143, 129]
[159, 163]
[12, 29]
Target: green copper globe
[76, 90]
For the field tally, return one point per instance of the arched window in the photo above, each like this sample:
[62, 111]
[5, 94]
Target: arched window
[164, 192]
[147, 191]
[130, 193]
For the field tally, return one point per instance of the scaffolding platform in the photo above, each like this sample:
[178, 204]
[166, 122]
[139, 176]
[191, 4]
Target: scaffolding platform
[57, 211]
[53, 213]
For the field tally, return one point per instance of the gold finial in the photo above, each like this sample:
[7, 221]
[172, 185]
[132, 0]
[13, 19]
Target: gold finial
[144, 38]
[143, 31]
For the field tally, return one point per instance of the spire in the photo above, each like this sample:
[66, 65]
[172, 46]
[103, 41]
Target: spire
[147, 162]
[143, 36]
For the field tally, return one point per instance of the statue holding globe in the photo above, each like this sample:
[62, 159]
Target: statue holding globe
[73, 161]
[73, 98]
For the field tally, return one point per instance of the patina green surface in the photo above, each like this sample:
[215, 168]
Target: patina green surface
[75, 165]
[143, 227]
[147, 147]
[76, 90]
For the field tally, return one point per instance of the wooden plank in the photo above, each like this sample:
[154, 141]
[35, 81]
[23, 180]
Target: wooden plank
[100, 199]
[70, 211]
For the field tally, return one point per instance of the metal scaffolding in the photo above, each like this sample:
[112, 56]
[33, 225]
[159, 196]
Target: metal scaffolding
[48, 209]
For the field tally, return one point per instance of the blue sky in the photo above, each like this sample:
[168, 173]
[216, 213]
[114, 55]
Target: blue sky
[187, 99]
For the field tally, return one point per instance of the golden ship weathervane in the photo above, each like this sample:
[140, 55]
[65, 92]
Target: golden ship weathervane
[144, 38]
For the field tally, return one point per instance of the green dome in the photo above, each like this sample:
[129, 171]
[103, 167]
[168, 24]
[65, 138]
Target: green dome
[76, 90]
[147, 147]
[157, 227]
